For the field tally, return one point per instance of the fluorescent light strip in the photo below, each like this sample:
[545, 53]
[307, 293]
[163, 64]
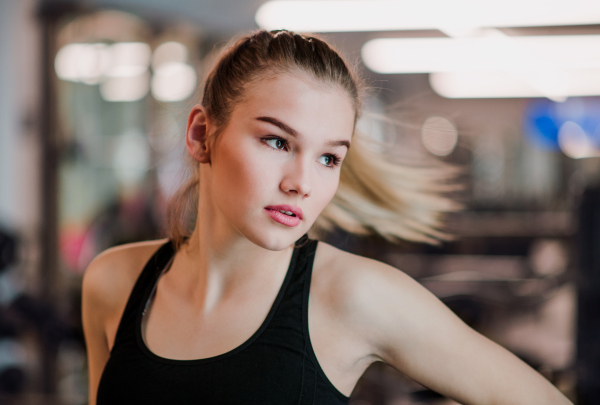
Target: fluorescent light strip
[426, 55]
[392, 15]
[574, 82]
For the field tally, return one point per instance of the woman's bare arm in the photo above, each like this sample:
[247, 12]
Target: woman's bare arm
[93, 313]
[107, 283]
[414, 332]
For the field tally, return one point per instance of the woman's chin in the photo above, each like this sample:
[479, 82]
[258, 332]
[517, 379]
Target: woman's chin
[275, 239]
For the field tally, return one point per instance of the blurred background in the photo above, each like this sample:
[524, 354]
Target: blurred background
[94, 97]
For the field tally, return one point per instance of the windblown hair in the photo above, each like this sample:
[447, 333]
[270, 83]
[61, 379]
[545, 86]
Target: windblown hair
[374, 195]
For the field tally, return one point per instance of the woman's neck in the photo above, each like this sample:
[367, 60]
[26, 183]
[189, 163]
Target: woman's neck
[218, 259]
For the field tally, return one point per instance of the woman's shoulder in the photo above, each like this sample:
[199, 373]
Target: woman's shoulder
[373, 300]
[351, 269]
[110, 277]
[357, 285]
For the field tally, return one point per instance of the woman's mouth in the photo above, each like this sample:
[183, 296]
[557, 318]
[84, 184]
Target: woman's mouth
[285, 214]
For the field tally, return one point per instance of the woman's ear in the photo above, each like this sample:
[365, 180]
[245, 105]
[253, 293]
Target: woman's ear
[196, 137]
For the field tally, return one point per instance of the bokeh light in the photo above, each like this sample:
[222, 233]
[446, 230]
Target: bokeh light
[84, 63]
[170, 51]
[439, 136]
[575, 143]
[131, 158]
[173, 81]
[128, 88]
[121, 69]
[128, 59]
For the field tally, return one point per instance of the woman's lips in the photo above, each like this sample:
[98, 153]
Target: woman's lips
[282, 218]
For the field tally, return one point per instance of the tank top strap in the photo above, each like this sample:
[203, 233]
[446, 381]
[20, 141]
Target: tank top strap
[305, 256]
[321, 382]
[146, 280]
[289, 326]
[285, 326]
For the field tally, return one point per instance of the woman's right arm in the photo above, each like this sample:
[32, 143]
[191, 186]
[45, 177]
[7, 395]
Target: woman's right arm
[94, 308]
[107, 284]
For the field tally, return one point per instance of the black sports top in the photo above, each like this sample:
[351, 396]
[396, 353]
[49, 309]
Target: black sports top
[276, 365]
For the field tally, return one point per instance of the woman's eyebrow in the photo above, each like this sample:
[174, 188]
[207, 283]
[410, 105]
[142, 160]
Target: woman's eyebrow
[280, 124]
[286, 128]
[339, 143]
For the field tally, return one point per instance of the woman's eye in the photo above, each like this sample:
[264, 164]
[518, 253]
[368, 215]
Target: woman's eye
[276, 143]
[328, 160]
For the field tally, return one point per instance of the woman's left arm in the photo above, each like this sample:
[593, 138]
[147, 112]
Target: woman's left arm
[413, 331]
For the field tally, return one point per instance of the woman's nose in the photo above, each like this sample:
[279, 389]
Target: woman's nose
[297, 179]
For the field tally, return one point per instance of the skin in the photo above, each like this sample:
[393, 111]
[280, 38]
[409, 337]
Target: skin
[223, 282]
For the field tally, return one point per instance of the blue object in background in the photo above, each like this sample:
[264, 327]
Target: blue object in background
[540, 124]
[543, 119]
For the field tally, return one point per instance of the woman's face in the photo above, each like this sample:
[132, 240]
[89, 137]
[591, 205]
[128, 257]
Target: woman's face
[281, 151]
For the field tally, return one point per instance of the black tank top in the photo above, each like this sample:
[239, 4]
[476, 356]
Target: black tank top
[276, 365]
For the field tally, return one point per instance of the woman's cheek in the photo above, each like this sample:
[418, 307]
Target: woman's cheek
[252, 176]
[327, 189]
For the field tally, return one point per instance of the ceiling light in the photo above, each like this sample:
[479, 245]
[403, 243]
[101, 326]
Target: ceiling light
[574, 82]
[496, 53]
[393, 15]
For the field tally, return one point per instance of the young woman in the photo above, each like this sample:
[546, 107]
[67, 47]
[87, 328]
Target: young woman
[244, 308]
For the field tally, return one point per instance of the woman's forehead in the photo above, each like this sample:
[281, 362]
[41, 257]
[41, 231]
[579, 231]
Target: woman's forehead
[296, 100]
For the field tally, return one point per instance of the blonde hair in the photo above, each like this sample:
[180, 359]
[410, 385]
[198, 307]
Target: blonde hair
[374, 195]
[396, 201]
